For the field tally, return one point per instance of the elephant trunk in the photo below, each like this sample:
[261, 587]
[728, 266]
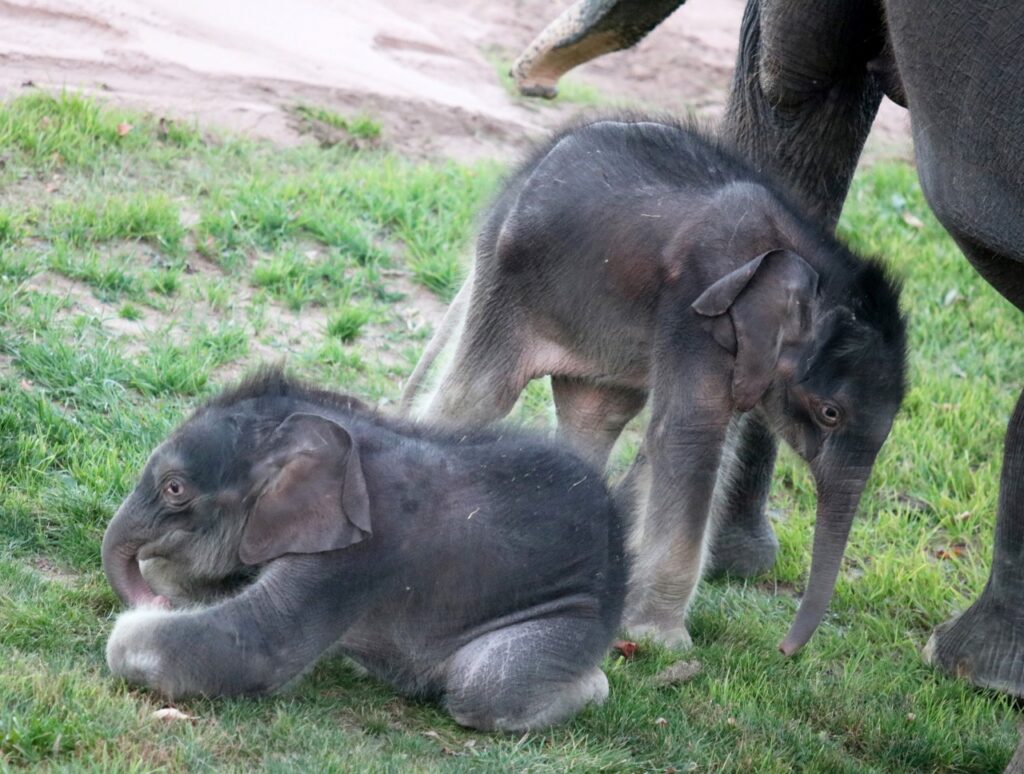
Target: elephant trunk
[585, 30]
[836, 508]
[121, 561]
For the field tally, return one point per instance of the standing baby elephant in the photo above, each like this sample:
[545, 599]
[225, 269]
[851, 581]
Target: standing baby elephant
[485, 569]
[631, 256]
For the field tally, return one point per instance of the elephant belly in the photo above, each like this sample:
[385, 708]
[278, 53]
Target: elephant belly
[624, 365]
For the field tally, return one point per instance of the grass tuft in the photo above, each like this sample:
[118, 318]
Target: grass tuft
[68, 131]
[151, 217]
[360, 126]
[346, 324]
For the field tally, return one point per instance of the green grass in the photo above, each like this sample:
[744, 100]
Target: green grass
[109, 278]
[346, 324]
[360, 126]
[116, 317]
[150, 217]
[67, 131]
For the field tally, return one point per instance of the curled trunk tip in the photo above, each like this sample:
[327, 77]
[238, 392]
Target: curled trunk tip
[121, 565]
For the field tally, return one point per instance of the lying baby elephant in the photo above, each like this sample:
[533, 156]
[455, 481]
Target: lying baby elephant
[485, 569]
[633, 256]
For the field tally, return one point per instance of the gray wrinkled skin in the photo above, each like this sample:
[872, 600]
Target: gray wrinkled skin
[280, 522]
[634, 258]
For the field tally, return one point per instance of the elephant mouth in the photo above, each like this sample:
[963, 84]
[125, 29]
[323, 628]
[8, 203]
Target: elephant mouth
[164, 583]
[137, 591]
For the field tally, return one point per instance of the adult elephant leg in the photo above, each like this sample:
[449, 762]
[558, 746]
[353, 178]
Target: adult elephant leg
[744, 543]
[969, 145]
[803, 99]
[986, 644]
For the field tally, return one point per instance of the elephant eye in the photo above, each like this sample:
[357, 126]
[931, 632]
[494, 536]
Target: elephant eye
[174, 490]
[829, 414]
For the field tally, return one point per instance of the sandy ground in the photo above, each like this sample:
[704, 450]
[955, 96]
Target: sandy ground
[425, 68]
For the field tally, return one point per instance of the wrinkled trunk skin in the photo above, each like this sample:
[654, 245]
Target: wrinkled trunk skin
[120, 559]
[837, 504]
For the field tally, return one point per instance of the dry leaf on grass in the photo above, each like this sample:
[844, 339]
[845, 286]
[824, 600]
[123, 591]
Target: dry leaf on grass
[952, 296]
[912, 220]
[954, 551]
[171, 714]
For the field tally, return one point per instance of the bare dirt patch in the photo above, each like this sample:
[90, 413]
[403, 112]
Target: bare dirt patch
[53, 573]
[425, 70]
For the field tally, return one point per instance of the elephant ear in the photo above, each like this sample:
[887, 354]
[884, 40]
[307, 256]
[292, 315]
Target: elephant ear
[314, 495]
[768, 303]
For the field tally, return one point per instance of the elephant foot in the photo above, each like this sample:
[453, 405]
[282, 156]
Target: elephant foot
[984, 645]
[743, 550]
[668, 634]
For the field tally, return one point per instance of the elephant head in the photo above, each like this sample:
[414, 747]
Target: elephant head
[228, 492]
[825, 368]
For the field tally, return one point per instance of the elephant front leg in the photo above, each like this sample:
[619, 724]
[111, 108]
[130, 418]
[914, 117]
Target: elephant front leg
[251, 644]
[684, 446]
[181, 654]
[744, 544]
[985, 645]
[669, 567]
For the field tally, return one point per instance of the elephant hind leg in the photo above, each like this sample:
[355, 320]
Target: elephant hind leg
[591, 416]
[744, 544]
[526, 676]
[486, 374]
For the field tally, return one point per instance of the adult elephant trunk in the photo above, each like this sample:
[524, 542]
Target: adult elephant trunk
[120, 555]
[584, 31]
[837, 505]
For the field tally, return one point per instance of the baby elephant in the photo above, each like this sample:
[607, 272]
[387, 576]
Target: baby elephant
[633, 256]
[280, 522]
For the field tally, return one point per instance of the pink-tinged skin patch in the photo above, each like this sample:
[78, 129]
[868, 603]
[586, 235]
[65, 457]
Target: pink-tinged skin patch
[138, 593]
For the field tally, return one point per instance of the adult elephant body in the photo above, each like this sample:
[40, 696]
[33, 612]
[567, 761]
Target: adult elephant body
[809, 78]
